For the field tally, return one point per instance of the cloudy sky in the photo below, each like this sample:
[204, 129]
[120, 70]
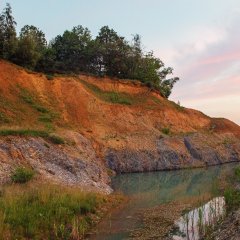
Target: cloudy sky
[199, 38]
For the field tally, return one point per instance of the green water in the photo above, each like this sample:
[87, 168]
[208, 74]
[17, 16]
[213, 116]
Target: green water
[147, 190]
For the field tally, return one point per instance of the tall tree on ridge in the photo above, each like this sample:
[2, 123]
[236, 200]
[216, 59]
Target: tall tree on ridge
[32, 43]
[8, 36]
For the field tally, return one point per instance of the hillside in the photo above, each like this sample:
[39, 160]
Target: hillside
[106, 123]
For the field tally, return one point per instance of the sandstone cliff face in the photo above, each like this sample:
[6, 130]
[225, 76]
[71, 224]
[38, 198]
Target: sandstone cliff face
[113, 124]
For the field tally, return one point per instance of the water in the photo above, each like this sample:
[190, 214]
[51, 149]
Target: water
[147, 190]
[192, 225]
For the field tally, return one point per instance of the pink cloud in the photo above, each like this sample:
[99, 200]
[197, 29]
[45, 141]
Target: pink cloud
[210, 72]
[231, 56]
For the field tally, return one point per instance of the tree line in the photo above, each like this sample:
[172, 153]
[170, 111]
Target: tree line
[76, 51]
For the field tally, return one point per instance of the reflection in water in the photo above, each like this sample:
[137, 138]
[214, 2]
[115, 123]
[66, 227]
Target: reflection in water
[193, 225]
[148, 190]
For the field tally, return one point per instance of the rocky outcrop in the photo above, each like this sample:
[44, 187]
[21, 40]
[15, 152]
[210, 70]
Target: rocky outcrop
[70, 165]
[176, 152]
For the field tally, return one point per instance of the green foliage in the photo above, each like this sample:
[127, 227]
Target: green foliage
[46, 212]
[46, 118]
[237, 173]
[231, 194]
[22, 175]
[75, 51]
[117, 98]
[232, 198]
[8, 37]
[31, 45]
[23, 133]
[32, 133]
[46, 115]
[56, 139]
[49, 77]
[112, 96]
[166, 131]
[71, 50]
[3, 118]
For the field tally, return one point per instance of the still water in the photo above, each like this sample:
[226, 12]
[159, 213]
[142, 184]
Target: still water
[194, 224]
[148, 190]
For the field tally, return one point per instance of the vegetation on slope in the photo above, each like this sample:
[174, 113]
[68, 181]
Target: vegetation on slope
[76, 51]
[22, 175]
[32, 133]
[232, 194]
[110, 96]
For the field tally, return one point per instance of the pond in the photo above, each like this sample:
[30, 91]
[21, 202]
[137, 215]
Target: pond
[147, 190]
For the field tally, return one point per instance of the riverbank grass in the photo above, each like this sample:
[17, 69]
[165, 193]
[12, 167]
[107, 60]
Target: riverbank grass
[46, 212]
[232, 193]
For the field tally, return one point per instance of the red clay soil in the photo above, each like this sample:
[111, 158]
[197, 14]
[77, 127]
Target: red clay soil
[80, 109]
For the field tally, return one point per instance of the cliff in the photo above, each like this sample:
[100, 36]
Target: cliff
[106, 124]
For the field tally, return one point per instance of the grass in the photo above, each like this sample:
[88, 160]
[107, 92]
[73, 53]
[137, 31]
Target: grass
[232, 198]
[22, 175]
[46, 115]
[231, 194]
[177, 106]
[110, 96]
[32, 133]
[237, 173]
[3, 118]
[46, 212]
[46, 118]
[156, 100]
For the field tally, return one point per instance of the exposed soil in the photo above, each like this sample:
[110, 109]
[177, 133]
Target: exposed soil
[101, 133]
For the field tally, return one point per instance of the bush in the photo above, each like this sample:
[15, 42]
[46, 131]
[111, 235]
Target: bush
[22, 175]
[56, 139]
[166, 131]
[237, 173]
[232, 198]
[49, 77]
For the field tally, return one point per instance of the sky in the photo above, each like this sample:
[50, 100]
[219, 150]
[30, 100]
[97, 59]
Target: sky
[200, 39]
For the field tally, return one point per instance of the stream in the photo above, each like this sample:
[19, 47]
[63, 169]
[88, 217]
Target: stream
[147, 190]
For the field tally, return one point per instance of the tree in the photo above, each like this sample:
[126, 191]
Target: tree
[31, 46]
[166, 85]
[47, 62]
[75, 51]
[72, 53]
[8, 37]
[113, 51]
[134, 57]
